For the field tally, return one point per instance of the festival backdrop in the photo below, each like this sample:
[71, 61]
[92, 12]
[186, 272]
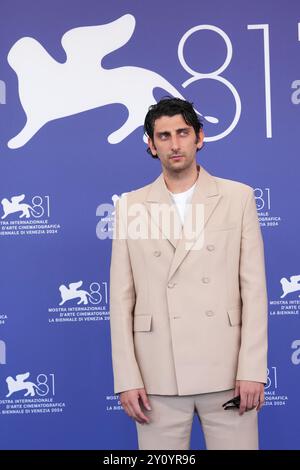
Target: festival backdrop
[76, 80]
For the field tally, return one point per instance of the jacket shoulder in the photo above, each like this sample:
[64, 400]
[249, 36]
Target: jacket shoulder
[233, 188]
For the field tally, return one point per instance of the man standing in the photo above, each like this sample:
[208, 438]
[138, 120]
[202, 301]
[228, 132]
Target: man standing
[188, 301]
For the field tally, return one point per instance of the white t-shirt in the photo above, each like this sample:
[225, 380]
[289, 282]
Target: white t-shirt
[181, 200]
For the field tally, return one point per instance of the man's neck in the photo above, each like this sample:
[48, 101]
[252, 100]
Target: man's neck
[180, 182]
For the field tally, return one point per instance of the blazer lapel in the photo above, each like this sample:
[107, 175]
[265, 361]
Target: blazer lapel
[204, 202]
[164, 215]
[163, 212]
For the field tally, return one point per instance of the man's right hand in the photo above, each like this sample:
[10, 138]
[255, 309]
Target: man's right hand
[130, 402]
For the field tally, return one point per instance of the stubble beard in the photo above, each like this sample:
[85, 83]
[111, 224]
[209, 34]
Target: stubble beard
[180, 167]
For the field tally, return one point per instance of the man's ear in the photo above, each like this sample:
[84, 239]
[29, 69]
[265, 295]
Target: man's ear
[152, 146]
[200, 139]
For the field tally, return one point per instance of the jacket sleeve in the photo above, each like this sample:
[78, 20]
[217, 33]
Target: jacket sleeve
[252, 364]
[127, 375]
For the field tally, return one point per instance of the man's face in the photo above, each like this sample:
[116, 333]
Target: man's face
[175, 143]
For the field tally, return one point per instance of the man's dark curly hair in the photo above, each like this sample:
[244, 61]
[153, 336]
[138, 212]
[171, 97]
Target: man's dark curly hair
[170, 106]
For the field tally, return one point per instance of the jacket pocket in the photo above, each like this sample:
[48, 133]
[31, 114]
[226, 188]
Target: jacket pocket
[142, 323]
[235, 316]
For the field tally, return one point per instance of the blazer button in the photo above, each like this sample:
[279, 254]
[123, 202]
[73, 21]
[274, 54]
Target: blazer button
[210, 247]
[171, 285]
[205, 280]
[157, 253]
[209, 313]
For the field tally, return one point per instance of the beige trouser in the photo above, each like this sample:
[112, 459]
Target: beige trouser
[171, 421]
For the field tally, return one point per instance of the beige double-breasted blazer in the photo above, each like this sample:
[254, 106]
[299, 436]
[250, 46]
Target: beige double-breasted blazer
[188, 315]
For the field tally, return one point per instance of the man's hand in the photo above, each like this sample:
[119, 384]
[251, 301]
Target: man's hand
[251, 393]
[131, 405]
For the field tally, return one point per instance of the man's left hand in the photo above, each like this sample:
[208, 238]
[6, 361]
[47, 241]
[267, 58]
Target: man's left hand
[251, 393]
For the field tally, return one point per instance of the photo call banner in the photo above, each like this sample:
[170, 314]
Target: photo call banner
[76, 80]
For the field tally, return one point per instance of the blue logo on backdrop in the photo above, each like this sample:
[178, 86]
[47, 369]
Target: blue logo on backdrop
[287, 304]
[266, 217]
[85, 306]
[34, 396]
[20, 383]
[15, 205]
[288, 286]
[27, 218]
[48, 90]
[71, 292]
[274, 396]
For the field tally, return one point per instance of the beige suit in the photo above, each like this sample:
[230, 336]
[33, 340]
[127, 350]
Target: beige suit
[189, 321]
